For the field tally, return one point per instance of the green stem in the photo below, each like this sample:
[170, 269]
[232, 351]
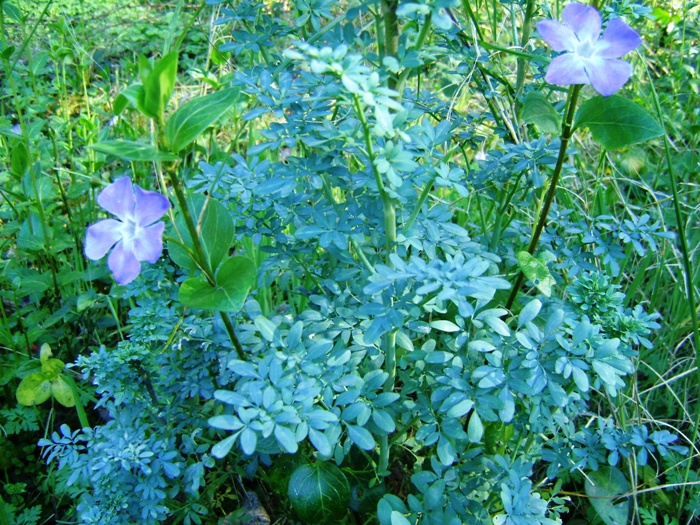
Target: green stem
[566, 132]
[360, 254]
[389, 211]
[201, 258]
[391, 32]
[525, 37]
[79, 408]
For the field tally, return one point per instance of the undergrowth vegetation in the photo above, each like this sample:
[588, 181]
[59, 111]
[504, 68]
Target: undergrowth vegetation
[384, 262]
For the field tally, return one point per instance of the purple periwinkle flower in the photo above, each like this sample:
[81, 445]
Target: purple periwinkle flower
[136, 236]
[589, 58]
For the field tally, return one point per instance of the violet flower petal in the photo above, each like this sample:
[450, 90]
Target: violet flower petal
[618, 39]
[150, 206]
[101, 236]
[609, 76]
[118, 198]
[147, 245]
[123, 264]
[584, 20]
[566, 70]
[557, 35]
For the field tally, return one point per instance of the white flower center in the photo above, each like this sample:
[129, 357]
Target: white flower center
[586, 49]
[130, 231]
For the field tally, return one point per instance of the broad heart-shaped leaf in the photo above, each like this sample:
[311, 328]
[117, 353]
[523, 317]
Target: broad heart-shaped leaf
[616, 122]
[131, 151]
[215, 228]
[602, 486]
[33, 389]
[319, 493]
[158, 84]
[539, 111]
[234, 279]
[190, 120]
[537, 272]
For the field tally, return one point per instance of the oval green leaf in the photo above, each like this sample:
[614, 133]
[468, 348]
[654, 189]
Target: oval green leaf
[33, 390]
[190, 120]
[616, 122]
[216, 230]
[537, 272]
[602, 486]
[319, 493]
[62, 392]
[539, 111]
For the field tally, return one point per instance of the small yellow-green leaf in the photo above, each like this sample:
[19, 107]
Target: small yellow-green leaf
[62, 392]
[45, 352]
[33, 390]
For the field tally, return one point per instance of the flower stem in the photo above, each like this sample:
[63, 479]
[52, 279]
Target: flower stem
[201, 258]
[566, 132]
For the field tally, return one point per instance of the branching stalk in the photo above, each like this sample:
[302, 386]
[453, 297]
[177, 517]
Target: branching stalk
[566, 132]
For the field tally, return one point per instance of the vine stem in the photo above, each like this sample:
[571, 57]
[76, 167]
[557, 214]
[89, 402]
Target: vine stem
[566, 133]
[202, 261]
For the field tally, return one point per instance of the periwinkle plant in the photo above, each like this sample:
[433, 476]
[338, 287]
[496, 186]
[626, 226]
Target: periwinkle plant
[378, 320]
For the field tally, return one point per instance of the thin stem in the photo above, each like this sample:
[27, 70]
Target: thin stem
[566, 132]
[389, 212]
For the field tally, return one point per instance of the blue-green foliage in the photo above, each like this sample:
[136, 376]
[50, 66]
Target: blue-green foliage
[494, 405]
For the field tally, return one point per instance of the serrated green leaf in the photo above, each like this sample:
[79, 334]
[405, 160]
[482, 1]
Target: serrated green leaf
[616, 122]
[602, 486]
[191, 119]
[539, 111]
[537, 272]
[234, 279]
[131, 151]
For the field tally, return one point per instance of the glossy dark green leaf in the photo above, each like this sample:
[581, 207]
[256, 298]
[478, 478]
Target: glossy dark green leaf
[131, 151]
[616, 122]
[319, 493]
[191, 119]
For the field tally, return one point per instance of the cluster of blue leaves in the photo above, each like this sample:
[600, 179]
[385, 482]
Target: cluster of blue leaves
[149, 459]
